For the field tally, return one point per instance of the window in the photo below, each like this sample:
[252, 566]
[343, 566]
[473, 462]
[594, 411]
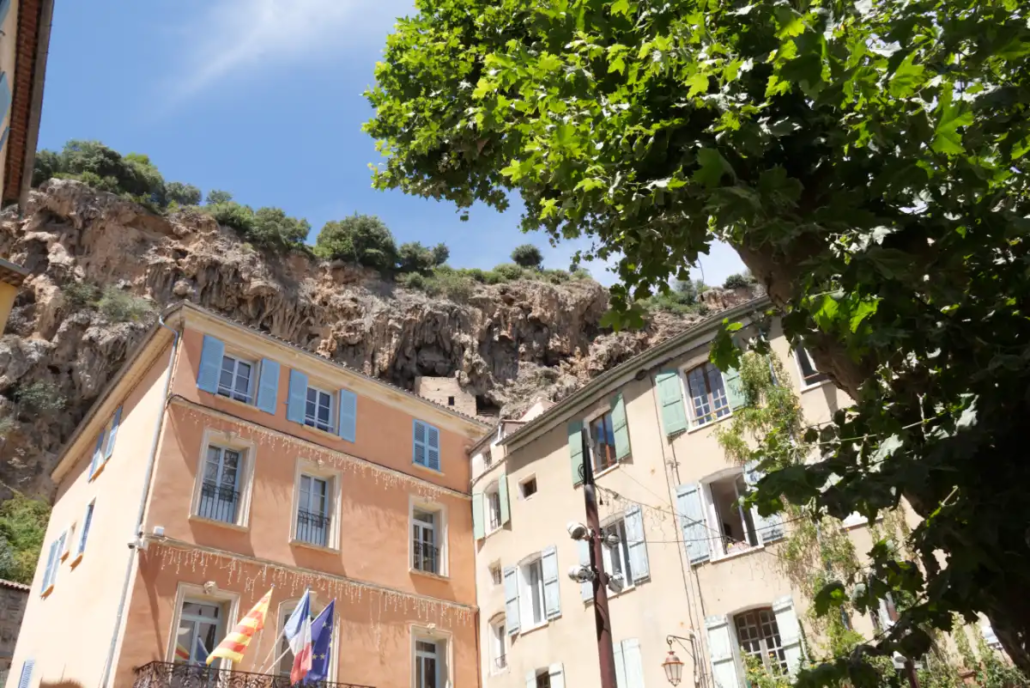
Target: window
[53, 563]
[87, 521]
[425, 445]
[733, 524]
[616, 559]
[707, 394]
[105, 444]
[450, 401]
[318, 413]
[759, 637]
[426, 551]
[495, 574]
[493, 508]
[220, 490]
[602, 442]
[543, 678]
[487, 458]
[809, 375]
[429, 663]
[498, 657]
[313, 514]
[885, 615]
[528, 487]
[532, 594]
[236, 379]
[25, 678]
[201, 628]
[284, 652]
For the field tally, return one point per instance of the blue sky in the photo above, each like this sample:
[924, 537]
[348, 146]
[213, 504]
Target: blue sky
[261, 98]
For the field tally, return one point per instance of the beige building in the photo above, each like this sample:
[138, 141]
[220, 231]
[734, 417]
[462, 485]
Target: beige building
[692, 563]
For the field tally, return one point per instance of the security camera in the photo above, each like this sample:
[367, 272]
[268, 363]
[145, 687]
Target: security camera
[577, 531]
[616, 583]
[581, 573]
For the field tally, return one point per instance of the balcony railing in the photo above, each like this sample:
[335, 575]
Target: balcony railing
[168, 675]
[218, 502]
[312, 528]
[427, 557]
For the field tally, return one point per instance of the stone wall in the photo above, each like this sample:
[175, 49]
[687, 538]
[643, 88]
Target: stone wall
[446, 391]
[13, 597]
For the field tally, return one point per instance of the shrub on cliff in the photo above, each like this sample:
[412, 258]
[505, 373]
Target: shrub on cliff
[23, 524]
[738, 281]
[527, 255]
[363, 239]
[122, 306]
[41, 396]
[414, 257]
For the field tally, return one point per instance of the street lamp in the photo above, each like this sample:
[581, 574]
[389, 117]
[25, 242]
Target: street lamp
[673, 667]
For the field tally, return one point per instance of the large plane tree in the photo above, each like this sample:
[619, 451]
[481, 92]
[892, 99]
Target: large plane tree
[867, 160]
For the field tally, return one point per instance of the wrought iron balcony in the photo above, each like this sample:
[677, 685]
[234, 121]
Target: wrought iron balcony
[169, 675]
[427, 557]
[218, 502]
[312, 527]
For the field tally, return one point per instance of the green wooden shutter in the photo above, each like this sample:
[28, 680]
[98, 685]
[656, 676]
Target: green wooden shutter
[575, 429]
[211, 354]
[670, 396]
[511, 600]
[692, 521]
[620, 427]
[478, 526]
[552, 587]
[734, 391]
[636, 545]
[502, 497]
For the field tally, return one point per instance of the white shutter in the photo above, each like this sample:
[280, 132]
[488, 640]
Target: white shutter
[637, 547]
[790, 632]
[620, 666]
[720, 647]
[511, 600]
[552, 594]
[692, 521]
[768, 528]
[634, 663]
[557, 672]
[531, 679]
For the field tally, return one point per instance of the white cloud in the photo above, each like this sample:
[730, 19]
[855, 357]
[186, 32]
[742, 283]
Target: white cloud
[238, 38]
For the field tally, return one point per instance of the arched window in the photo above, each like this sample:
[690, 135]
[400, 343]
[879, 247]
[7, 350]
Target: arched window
[759, 637]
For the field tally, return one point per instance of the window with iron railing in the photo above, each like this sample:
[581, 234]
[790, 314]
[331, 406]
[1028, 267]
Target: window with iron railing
[313, 517]
[219, 492]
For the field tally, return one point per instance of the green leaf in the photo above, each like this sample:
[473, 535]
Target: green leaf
[620, 7]
[790, 23]
[698, 85]
[712, 168]
[862, 311]
[830, 596]
[826, 314]
[907, 78]
[724, 352]
[947, 138]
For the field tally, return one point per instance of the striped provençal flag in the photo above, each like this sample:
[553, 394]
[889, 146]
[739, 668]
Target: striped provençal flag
[235, 644]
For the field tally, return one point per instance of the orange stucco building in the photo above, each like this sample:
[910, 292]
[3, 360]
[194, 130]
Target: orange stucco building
[222, 462]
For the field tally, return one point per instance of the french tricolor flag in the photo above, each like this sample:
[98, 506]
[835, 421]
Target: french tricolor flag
[298, 635]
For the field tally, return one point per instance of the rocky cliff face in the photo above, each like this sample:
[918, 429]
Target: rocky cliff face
[507, 345]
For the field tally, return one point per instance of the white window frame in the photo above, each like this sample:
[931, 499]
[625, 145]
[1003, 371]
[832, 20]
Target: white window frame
[496, 573]
[333, 478]
[492, 507]
[83, 534]
[105, 437]
[688, 399]
[432, 635]
[766, 650]
[527, 596]
[237, 359]
[522, 486]
[714, 524]
[803, 384]
[622, 551]
[229, 600]
[440, 530]
[333, 411]
[498, 640]
[244, 476]
[285, 608]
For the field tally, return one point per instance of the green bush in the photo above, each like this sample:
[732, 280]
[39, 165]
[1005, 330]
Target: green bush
[80, 294]
[41, 396]
[363, 239]
[121, 306]
[509, 272]
[232, 214]
[182, 194]
[450, 284]
[738, 281]
[23, 524]
[474, 274]
[414, 257]
[412, 280]
[581, 274]
[527, 255]
[275, 229]
[217, 197]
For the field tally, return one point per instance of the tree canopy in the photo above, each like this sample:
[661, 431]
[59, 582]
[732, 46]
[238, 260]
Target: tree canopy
[867, 160]
[363, 239]
[528, 256]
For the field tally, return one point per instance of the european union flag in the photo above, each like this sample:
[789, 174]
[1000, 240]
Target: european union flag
[321, 639]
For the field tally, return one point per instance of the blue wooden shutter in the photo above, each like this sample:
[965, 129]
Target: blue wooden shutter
[25, 679]
[3, 137]
[50, 563]
[502, 498]
[620, 427]
[636, 545]
[5, 95]
[552, 591]
[113, 433]
[586, 590]
[670, 396]
[575, 429]
[478, 524]
[692, 520]
[418, 443]
[432, 448]
[210, 369]
[87, 521]
[297, 397]
[5, 7]
[348, 428]
[720, 649]
[768, 528]
[734, 391]
[511, 600]
[268, 386]
[634, 663]
[98, 454]
[790, 632]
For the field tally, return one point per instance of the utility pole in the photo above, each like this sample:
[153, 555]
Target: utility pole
[602, 619]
